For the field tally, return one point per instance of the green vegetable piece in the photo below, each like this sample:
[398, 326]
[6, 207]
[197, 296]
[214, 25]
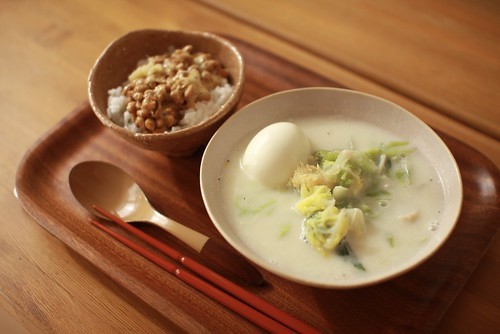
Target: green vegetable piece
[359, 266]
[318, 199]
[390, 239]
[343, 181]
[344, 249]
[245, 207]
[396, 148]
[323, 155]
[284, 230]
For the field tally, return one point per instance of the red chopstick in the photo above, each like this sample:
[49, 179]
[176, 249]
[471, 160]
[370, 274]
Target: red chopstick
[225, 299]
[266, 308]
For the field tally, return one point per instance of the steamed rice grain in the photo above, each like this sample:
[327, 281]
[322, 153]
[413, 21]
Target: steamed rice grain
[201, 112]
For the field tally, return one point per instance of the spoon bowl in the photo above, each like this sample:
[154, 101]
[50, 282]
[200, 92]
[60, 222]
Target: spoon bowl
[111, 188]
[106, 185]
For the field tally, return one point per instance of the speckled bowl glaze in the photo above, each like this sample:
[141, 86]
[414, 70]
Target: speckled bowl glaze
[120, 58]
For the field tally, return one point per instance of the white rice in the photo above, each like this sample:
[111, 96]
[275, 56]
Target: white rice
[202, 110]
[116, 105]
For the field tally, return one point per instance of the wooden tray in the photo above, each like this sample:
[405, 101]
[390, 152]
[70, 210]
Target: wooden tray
[414, 302]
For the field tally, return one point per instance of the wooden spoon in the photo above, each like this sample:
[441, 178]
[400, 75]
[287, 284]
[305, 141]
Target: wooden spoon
[108, 186]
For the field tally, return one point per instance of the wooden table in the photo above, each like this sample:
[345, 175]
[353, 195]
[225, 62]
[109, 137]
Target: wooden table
[439, 60]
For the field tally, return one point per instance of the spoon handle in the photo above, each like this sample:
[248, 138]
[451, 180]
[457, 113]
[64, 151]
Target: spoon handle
[220, 255]
[192, 238]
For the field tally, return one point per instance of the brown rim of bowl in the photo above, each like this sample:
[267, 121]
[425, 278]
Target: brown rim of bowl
[230, 103]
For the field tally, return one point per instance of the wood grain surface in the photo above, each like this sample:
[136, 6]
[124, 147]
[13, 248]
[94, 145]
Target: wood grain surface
[334, 25]
[422, 295]
[440, 60]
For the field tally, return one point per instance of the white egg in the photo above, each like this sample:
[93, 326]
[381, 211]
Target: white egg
[274, 153]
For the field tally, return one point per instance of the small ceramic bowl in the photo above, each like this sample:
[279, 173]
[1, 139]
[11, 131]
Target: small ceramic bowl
[256, 236]
[120, 58]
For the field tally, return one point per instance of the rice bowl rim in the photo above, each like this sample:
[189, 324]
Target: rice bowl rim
[236, 82]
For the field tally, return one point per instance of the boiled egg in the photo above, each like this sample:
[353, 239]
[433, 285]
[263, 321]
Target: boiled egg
[274, 153]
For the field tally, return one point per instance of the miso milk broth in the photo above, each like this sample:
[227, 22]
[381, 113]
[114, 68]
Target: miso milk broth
[266, 222]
